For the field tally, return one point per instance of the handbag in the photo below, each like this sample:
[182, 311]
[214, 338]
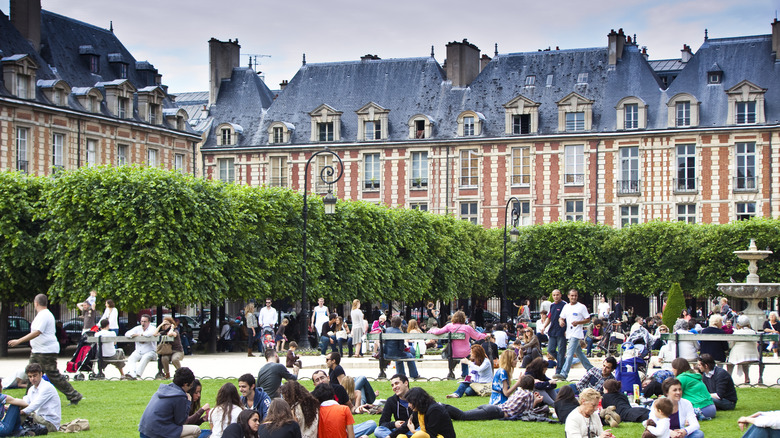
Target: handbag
[164, 349]
[482, 389]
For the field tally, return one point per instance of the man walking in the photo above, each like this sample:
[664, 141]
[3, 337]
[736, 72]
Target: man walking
[319, 316]
[556, 344]
[573, 316]
[44, 348]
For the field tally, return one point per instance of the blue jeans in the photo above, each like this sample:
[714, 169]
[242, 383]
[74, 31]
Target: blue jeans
[367, 392]
[465, 389]
[753, 432]
[383, 432]
[348, 342]
[365, 428]
[590, 341]
[724, 405]
[399, 366]
[325, 341]
[10, 424]
[556, 347]
[696, 434]
[573, 348]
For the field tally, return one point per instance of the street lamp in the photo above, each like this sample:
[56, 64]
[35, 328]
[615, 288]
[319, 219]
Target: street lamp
[327, 176]
[513, 234]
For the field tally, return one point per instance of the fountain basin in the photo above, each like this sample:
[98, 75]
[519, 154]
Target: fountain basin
[750, 290]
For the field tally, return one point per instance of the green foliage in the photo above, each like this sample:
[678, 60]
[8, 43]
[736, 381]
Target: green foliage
[143, 237]
[22, 267]
[675, 304]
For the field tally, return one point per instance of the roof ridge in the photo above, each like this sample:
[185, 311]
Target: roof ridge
[370, 61]
[43, 12]
[740, 38]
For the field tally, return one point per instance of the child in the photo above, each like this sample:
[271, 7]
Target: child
[92, 299]
[292, 359]
[280, 337]
[663, 409]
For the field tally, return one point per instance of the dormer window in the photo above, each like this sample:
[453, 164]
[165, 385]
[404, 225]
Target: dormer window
[119, 98]
[154, 114]
[122, 104]
[582, 78]
[714, 77]
[280, 132]
[176, 118]
[530, 80]
[19, 73]
[55, 90]
[325, 124]
[746, 104]
[372, 122]
[91, 57]
[470, 124]
[94, 64]
[150, 101]
[683, 111]
[521, 116]
[631, 113]
[118, 63]
[575, 113]
[227, 134]
[420, 126]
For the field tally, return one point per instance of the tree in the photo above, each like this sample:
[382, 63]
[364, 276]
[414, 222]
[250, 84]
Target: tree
[143, 237]
[22, 268]
[675, 304]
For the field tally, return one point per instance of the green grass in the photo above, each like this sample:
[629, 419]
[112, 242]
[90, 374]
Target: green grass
[114, 408]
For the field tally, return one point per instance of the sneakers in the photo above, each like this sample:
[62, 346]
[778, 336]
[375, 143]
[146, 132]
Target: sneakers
[127, 377]
[559, 377]
[76, 401]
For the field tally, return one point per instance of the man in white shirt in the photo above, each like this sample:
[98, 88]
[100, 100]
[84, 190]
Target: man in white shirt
[501, 336]
[43, 402]
[268, 317]
[109, 352]
[144, 351]
[44, 348]
[573, 316]
[320, 316]
[604, 309]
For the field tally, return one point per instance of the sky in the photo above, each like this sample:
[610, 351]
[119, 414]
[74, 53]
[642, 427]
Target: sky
[173, 35]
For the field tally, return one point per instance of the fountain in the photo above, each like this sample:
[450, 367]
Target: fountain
[752, 290]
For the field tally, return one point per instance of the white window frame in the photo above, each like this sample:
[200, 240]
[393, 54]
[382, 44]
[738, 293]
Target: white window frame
[326, 131]
[521, 166]
[278, 171]
[524, 209]
[372, 171]
[422, 206]
[226, 170]
[58, 151]
[91, 153]
[745, 113]
[745, 162]
[629, 215]
[152, 157]
[121, 154]
[178, 162]
[372, 130]
[574, 210]
[629, 170]
[683, 114]
[469, 168]
[631, 120]
[468, 126]
[575, 121]
[574, 165]
[745, 210]
[686, 213]
[685, 181]
[469, 211]
[22, 149]
[419, 170]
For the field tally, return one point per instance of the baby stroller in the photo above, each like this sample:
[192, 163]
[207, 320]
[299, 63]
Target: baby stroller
[82, 359]
[613, 338]
[631, 368]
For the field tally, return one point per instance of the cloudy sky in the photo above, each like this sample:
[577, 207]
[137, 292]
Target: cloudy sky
[173, 35]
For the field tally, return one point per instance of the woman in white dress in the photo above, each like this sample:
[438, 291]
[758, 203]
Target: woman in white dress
[357, 328]
[112, 315]
[742, 353]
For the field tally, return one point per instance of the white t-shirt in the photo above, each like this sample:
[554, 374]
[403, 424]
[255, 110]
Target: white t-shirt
[604, 310]
[501, 338]
[108, 347]
[46, 342]
[320, 316]
[546, 306]
[215, 418]
[572, 313]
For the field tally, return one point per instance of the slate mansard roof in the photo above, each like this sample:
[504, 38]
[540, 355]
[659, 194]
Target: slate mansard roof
[407, 87]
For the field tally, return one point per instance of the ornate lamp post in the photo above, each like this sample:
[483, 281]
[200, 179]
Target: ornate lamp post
[513, 235]
[327, 176]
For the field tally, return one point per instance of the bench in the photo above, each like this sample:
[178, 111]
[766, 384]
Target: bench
[759, 338]
[384, 362]
[100, 340]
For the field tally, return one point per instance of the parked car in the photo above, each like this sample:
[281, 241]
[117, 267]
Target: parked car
[74, 326]
[191, 322]
[17, 328]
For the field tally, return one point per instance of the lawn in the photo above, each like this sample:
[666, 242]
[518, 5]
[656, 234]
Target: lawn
[114, 408]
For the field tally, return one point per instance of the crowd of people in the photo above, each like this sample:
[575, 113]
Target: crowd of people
[686, 386]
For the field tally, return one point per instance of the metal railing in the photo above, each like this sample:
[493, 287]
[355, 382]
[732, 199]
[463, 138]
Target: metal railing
[574, 178]
[745, 184]
[277, 181]
[685, 185]
[371, 185]
[628, 187]
[418, 183]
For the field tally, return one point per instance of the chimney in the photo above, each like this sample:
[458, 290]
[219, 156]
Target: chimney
[616, 41]
[223, 58]
[462, 63]
[370, 57]
[483, 61]
[686, 53]
[776, 37]
[283, 85]
[26, 18]
[645, 54]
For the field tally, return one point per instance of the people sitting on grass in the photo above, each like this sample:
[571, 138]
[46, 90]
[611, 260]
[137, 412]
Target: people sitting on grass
[252, 397]
[480, 373]
[718, 383]
[246, 426]
[660, 428]
[43, 402]
[292, 359]
[10, 414]
[530, 348]
[396, 411]
[762, 425]
[430, 417]
[565, 403]
[167, 412]
[227, 408]
[340, 394]
[545, 386]
[615, 398]
[335, 420]
[595, 377]
[197, 411]
[682, 422]
[270, 376]
[502, 379]
[694, 389]
[305, 408]
[356, 396]
[521, 402]
[584, 422]
[279, 423]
